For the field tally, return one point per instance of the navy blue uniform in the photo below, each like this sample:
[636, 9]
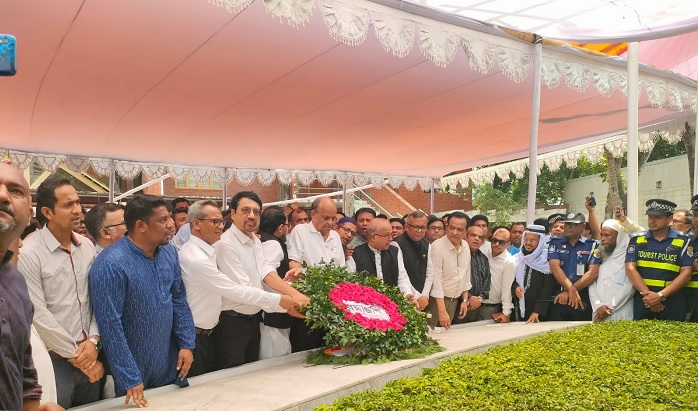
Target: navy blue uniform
[658, 263]
[575, 261]
[691, 289]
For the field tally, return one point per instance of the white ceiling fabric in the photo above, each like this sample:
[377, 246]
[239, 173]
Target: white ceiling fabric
[189, 88]
[588, 21]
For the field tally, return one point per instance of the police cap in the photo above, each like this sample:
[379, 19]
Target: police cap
[660, 207]
[694, 202]
[576, 218]
[555, 218]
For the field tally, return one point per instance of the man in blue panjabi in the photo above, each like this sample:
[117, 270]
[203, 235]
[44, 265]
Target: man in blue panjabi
[140, 304]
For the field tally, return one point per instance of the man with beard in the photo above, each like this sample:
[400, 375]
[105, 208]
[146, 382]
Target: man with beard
[140, 304]
[534, 283]
[611, 293]
[659, 264]
[55, 262]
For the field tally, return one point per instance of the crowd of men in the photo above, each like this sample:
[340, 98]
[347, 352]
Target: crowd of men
[156, 291]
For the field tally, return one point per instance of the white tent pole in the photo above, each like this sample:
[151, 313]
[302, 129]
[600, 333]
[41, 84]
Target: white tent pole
[225, 191]
[633, 168]
[142, 186]
[695, 150]
[344, 194]
[533, 138]
[112, 183]
[332, 194]
[431, 197]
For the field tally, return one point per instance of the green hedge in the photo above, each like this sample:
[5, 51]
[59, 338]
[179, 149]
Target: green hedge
[640, 365]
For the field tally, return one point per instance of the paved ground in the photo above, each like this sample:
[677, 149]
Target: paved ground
[285, 383]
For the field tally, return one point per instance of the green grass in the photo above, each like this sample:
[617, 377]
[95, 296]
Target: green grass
[640, 365]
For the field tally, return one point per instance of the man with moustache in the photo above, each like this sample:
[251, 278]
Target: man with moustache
[140, 304]
[363, 216]
[503, 273]
[55, 262]
[240, 256]
[19, 385]
[346, 228]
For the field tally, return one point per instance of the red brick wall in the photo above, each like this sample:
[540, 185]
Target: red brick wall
[267, 193]
[419, 200]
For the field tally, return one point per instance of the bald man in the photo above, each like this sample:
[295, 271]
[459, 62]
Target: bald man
[379, 258]
[312, 243]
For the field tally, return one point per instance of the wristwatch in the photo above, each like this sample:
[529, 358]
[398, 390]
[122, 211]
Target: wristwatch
[96, 342]
[662, 297]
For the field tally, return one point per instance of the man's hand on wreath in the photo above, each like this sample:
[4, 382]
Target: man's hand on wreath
[293, 274]
[295, 313]
[301, 300]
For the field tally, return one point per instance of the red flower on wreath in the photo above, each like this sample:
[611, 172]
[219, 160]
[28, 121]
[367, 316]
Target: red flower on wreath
[366, 306]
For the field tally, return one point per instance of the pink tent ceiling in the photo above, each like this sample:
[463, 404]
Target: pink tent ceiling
[184, 82]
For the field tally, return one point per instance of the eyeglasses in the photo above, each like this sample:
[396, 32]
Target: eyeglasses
[248, 210]
[417, 228]
[436, 228]
[347, 230]
[215, 221]
[572, 224]
[500, 242]
[115, 225]
[675, 221]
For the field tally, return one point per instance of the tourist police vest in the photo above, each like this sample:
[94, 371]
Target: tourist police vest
[414, 255]
[278, 320]
[659, 266]
[365, 260]
[692, 251]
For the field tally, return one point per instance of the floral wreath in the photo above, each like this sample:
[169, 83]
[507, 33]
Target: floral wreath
[361, 313]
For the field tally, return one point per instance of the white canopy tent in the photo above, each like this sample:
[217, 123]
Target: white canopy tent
[187, 87]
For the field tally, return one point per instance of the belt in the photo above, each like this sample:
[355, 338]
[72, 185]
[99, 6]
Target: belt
[232, 313]
[201, 331]
[656, 283]
[490, 304]
[451, 298]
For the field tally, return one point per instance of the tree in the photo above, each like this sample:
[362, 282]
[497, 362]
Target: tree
[486, 198]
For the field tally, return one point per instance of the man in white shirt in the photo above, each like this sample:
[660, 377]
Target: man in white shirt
[381, 259]
[55, 262]
[449, 260]
[240, 256]
[503, 271]
[310, 244]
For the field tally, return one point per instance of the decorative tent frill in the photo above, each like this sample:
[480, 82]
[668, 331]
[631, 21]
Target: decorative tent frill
[349, 22]
[593, 151]
[244, 176]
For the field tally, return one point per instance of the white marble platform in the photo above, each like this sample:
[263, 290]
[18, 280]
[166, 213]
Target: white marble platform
[286, 383]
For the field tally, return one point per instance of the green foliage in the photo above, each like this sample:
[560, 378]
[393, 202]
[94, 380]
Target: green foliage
[369, 345]
[626, 365]
[487, 197]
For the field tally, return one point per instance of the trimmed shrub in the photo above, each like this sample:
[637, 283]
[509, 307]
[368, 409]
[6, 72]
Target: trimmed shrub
[626, 365]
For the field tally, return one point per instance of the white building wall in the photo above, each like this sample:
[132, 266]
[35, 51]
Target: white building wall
[671, 174]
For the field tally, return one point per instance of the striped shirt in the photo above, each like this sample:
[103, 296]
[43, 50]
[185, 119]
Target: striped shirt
[57, 281]
[480, 276]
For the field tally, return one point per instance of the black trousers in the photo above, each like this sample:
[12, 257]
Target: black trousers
[236, 339]
[674, 308]
[73, 388]
[204, 355]
[563, 312]
[303, 338]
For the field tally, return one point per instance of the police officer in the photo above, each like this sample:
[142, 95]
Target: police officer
[658, 264]
[691, 289]
[556, 225]
[574, 262]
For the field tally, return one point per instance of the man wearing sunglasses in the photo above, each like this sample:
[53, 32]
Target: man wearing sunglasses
[503, 273]
[415, 254]
[105, 222]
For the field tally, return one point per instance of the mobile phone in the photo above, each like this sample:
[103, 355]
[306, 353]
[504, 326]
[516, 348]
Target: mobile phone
[592, 200]
[8, 61]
